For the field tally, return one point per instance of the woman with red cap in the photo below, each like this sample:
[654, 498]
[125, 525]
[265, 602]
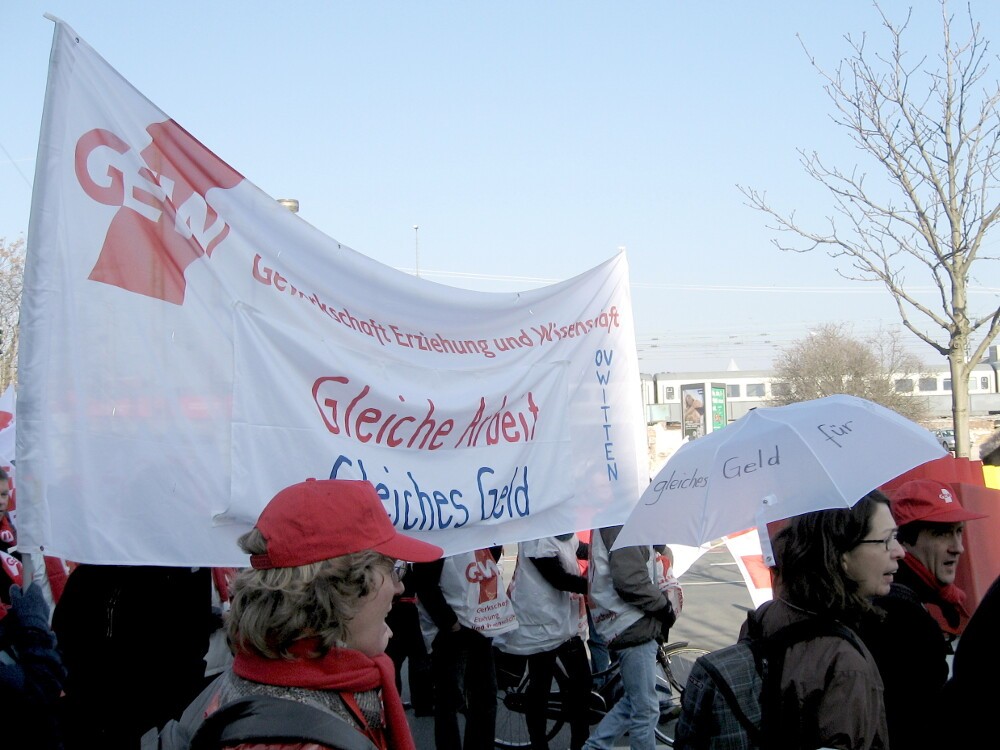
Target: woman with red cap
[307, 619]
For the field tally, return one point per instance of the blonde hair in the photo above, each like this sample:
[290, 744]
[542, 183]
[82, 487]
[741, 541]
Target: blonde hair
[273, 609]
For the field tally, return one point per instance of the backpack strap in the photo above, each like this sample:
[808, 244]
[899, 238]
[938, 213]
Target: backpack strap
[722, 684]
[270, 719]
[754, 639]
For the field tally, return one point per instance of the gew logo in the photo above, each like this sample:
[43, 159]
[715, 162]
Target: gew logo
[485, 572]
[164, 222]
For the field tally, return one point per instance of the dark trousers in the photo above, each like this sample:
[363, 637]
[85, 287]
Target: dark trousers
[464, 678]
[576, 694]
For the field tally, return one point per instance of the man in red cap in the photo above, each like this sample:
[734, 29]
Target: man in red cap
[924, 610]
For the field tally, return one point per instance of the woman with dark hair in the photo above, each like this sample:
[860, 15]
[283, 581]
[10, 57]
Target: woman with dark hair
[830, 565]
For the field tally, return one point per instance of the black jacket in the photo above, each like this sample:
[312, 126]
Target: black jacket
[911, 653]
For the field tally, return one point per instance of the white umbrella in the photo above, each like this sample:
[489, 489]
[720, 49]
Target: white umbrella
[773, 463]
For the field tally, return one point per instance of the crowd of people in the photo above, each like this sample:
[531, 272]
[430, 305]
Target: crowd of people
[309, 647]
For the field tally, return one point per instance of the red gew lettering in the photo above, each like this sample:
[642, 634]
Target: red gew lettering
[165, 222]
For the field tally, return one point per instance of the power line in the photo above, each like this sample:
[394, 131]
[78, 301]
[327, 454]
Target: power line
[14, 164]
[748, 288]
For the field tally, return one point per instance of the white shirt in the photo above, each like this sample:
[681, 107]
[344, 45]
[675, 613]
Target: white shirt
[546, 616]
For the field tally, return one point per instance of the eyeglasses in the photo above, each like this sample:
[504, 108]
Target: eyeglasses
[884, 542]
[399, 569]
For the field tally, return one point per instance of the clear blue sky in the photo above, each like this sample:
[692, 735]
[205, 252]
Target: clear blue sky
[527, 140]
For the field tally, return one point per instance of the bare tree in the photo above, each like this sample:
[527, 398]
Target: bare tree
[934, 133]
[11, 282]
[830, 361]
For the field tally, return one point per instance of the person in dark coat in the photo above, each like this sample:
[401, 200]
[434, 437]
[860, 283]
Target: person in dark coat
[908, 643]
[31, 672]
[117, 623]
[831, 564]
[970, 694]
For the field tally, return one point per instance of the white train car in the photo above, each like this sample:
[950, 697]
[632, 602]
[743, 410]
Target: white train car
[746, 390]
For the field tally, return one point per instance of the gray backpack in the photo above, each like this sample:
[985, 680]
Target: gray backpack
[257, 718]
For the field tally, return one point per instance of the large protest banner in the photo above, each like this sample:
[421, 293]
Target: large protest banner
[189, 347]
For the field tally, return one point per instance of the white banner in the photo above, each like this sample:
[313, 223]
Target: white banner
[189, 347]
[746, 552]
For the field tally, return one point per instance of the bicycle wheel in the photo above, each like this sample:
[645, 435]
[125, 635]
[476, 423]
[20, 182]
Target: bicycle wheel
[512, 700]
[672, 671]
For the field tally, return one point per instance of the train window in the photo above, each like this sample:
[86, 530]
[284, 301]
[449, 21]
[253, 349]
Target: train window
[668, 393]
[984, 383]
[946, 384]
[927, 384]
[780, 389]
[733, 390]
[972, 383]
[904, 385]
[755, 390]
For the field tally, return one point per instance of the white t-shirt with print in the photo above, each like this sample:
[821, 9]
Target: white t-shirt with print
[546, 617]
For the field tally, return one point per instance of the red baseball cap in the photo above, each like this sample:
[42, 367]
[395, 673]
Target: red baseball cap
[319, 519]
[928, 500]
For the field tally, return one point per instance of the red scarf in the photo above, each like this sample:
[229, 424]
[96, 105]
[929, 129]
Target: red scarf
[947, 603]
[341, 669]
